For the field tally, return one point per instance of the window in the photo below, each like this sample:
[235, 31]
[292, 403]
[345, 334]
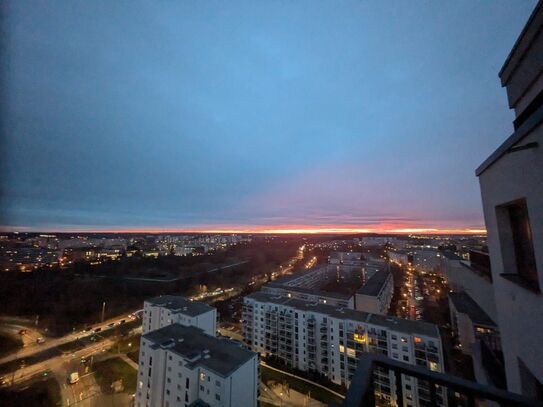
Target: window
[516, 242]
[217, 397]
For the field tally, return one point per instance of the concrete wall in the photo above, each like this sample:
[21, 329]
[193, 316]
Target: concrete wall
[520, 310]
[461, 278]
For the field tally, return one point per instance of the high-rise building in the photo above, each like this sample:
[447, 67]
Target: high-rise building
[168, 309]
[330, 340]
[182, 366]
[511, 181]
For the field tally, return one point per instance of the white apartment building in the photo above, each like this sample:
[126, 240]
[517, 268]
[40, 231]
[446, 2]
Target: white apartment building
[375, 296]
[511, 181]
[181, 366]
[329, 340]
[169, 309]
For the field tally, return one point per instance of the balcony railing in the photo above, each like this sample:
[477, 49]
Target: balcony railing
[361, 390]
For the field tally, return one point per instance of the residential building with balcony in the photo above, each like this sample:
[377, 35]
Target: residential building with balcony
[330, 340]
[183, 366]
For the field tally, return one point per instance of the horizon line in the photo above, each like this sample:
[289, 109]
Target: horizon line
[283, 229]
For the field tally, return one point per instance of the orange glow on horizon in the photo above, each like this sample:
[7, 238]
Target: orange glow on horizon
[267, 229]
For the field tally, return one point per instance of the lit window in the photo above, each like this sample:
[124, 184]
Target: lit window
[359, 338]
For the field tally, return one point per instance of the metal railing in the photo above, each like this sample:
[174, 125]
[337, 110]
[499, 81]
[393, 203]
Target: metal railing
[361, 390]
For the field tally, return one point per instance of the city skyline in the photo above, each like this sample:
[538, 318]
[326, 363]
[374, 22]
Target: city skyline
[221, 119]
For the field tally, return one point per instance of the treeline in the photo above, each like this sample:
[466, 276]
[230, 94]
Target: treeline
[63, 300]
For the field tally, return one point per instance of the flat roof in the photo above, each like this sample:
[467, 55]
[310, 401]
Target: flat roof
[393, 323]
[346, 255]
[451, 255]
[222, 356]
[466, 305]
[180, 304]
[374, 285]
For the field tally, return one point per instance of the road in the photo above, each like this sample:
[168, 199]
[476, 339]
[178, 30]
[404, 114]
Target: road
[56, 363]
[86, 392]
[12, 327]
[33, 347]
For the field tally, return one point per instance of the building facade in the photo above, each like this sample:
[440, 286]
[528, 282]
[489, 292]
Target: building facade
[511, 182]
[376, 295]
[180, 366]
[165, 310]
[329, 340]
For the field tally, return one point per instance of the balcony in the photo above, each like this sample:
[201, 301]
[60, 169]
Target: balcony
[361, 391]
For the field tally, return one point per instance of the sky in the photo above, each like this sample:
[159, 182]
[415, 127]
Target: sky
[254, 116]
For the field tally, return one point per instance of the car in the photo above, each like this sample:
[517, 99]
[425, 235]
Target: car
[122, 321]
[83, 360]
[40, 340]
[73, 378]
[87, 329]
[112, 324]
[23, 332]
[97, 330]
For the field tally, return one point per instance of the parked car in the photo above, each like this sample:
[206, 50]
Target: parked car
[73, 378]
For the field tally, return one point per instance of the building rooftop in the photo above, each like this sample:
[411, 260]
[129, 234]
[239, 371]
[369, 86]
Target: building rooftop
[393, 323]
[346, 256]
[180, 304]
[222, 356]
[451, 255]
[466, 305]
[375, 284]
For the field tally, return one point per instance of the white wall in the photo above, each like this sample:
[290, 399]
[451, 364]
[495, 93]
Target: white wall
[520, 311]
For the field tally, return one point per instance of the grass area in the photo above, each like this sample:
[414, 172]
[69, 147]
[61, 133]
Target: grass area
[110, 370]
[268, 375]
[9, 344]
[44, 393]
[127, 345]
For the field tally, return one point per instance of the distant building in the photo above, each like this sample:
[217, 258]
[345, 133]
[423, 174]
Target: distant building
[307, 286]
[345, 258]
[168, 309]
[330, 339]
[400, 257]
[375, 296]
[181, 366]
[511, 181]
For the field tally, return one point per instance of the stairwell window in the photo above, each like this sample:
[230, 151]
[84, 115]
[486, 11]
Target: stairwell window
[515, 233]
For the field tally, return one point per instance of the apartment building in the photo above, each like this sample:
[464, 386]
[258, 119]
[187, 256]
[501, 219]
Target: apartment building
[183, 366]
[511, 181]
[169, 309]
[330, 340]
[307, 286]
[375, 296]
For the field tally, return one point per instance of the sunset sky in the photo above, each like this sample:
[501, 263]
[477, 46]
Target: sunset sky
[244, 116]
